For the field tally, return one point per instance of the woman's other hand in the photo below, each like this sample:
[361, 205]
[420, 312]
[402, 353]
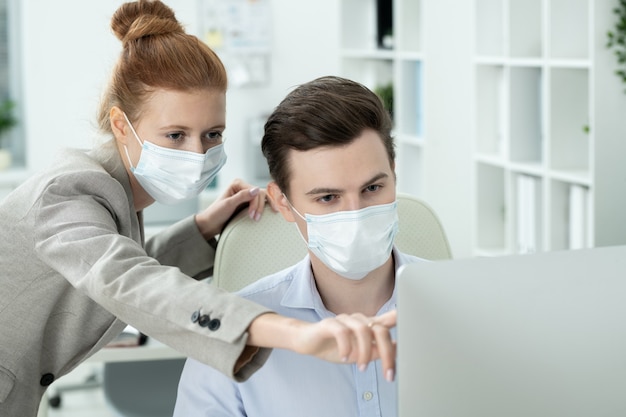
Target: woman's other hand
[212, 220]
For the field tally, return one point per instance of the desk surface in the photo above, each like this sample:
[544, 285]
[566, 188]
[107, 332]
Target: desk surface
[152, 350]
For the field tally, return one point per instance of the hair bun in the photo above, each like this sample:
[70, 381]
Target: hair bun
[135, 20]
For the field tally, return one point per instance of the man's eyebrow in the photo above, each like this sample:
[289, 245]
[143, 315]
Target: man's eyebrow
[377, 177]
[325, 190]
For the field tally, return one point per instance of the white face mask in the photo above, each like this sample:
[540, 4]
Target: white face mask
[353, 243]
[171, 175]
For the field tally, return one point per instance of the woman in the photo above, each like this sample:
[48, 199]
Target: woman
[74, 267]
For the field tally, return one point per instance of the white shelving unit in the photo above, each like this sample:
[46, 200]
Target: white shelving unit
[365, 61]
[549, 134]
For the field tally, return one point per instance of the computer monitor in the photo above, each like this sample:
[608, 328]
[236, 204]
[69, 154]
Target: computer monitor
[527, 335]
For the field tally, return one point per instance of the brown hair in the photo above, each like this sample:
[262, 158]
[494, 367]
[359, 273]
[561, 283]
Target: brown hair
[328, 111]
[157, 54]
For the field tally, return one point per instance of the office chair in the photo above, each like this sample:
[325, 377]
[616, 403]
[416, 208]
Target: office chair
[142, 388]
[248, 250]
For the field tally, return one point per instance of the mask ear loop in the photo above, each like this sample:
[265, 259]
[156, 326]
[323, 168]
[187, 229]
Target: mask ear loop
[299, 215]
[136, 137]
[293, 208]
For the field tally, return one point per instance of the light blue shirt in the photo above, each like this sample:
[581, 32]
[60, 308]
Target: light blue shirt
[290, 384]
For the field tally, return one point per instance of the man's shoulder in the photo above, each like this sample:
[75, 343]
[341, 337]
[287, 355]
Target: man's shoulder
[405, 258]
[274, 285]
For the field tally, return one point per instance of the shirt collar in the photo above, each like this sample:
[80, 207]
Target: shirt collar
[303, 293]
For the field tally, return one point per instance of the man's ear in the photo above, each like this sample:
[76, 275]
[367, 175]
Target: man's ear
[279, 201]
[119, 125]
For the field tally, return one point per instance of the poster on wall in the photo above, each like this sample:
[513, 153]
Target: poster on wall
[240, 32]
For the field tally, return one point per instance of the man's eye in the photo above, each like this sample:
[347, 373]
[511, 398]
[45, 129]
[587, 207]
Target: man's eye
[372, 188]
[327, 198]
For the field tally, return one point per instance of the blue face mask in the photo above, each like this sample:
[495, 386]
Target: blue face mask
[171, 175]
[353, 243]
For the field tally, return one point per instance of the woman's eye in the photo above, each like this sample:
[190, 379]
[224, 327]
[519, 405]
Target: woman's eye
[214, 137]
[177, 136]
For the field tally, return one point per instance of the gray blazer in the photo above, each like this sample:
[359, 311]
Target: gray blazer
[74, 270]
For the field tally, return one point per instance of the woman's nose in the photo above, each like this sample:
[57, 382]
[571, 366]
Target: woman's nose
[196, 146]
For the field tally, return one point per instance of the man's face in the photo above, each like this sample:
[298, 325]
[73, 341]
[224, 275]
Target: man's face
[331, 179]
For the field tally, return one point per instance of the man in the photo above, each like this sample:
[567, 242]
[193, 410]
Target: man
[331, 156]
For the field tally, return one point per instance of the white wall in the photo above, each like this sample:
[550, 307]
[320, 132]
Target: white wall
[448, 116]
[68, 51]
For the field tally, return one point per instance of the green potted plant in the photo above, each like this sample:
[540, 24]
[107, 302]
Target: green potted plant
[616, 39]
[385, 92]
[7, 122]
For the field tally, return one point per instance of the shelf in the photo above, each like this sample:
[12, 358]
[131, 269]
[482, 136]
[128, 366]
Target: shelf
[363, 60]
[358, 23]
[493, 160]
[526, 119]
[410, 140]
[527, 167]
[525, 37]
[490, 110]
[570, 216]
[372, 54]
[573, 177]
[408, 15]
[527, 203]
[408, 96]
[409, 159]
[368, 71]
[548, 112]
[491, 208]
[569, 29]
[569, 110]
[490, 34]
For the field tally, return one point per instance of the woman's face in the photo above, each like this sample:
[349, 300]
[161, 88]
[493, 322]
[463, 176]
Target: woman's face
[189, 121]
[186, 121]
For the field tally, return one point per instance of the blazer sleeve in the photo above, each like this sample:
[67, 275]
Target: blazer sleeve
[82, 223]
[182, 245]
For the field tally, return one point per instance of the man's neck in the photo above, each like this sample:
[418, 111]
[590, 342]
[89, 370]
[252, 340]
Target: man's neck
[345, 296]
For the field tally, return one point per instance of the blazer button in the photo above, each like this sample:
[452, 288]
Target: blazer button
[46, 379]
[195, 316]
[214, 324]
[204, 320]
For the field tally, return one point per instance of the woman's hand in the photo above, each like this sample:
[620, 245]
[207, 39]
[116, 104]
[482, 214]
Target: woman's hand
[212, 220]
[351, 338]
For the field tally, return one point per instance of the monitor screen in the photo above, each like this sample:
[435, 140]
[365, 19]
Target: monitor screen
[526, 335]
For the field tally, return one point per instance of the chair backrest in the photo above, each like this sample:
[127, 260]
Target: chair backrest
[248, 250]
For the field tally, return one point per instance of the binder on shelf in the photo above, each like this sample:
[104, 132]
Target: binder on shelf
[577, 216]
[384, 24]
[419, 117]
[527, 214]
[503, 108]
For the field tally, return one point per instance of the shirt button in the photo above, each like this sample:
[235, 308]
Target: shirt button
[46, 379]
[367, 395]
